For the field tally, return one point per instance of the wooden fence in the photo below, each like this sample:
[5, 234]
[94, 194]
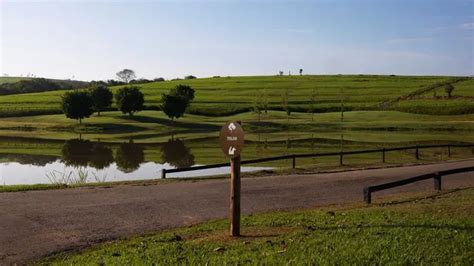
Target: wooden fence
[341, 155]
[436, 177]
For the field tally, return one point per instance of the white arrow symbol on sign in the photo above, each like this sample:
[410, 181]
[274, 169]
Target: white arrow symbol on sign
[232, 127]
[232, 150]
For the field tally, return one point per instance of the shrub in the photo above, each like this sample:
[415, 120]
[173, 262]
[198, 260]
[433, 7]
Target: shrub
[449, 90]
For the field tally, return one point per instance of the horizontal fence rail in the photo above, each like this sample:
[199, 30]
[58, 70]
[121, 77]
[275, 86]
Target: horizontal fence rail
[435, 175]
[315, 155]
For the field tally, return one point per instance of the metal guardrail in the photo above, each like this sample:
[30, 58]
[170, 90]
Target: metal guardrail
[341, 155]
[436, 177]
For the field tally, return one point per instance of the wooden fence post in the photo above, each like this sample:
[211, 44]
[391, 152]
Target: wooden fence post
[437, 181]
[383, 155]
[417, 153]
[341, 162]
[163, 173]
[367, 195]
[449, 151]
[294, 161]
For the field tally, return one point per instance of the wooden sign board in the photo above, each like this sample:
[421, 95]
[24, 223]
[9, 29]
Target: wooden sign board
[231, 139]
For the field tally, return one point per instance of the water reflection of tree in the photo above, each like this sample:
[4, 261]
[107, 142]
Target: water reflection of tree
[37, 160]
[129, 156]
[177, 154]
[77, 152]
[101, 156]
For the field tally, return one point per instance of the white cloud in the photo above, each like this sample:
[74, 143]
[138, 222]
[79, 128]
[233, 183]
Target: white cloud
[409, 40]
[467, 26]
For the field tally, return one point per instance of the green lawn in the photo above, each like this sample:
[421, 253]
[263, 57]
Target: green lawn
[436, 229]
[230, 95]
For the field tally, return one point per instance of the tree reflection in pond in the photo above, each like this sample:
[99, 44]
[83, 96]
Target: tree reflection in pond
[101, 156]
[177, 154]
[77, 152]
[129, 156]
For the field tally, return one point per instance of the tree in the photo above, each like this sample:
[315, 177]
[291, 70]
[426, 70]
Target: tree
[285, 104]
[130, 100]
[183, 91]
[101, 96]
[190, 77]
[173, 106]
[313, 100]
[265, 101]
[449, 90]
[126, 75]
[342, 104]
[301, 72]
[77, 105]
[174, 103]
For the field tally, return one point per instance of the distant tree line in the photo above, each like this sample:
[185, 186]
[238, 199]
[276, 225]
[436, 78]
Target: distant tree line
[40, 85]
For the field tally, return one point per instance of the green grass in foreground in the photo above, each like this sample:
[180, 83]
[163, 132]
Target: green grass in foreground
[437, 229]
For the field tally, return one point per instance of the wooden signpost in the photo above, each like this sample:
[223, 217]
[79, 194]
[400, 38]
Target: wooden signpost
[232, 141]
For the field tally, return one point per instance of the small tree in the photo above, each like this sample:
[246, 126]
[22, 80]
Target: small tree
[285, 104]
[77, 105]
[449, 90]
[183, 91]
[126, 75]
[342, 104]
[257, 104]
[265, 101]
[101, 96]
[173, 106]
[313, 100]
[174, 103]
[130, 100]
[301, 72]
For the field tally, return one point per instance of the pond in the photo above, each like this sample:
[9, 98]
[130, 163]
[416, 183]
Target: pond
[59, 172]
[84, 161]
[75, 161]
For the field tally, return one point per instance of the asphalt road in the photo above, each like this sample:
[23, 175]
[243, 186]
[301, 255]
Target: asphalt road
[38, 223]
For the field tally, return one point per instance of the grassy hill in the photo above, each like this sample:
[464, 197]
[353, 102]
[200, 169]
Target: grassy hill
[19, 85]
[12, 79]
[231, 95]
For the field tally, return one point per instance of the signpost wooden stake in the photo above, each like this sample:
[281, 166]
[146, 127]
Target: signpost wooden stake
[235, 196]
[232, 141]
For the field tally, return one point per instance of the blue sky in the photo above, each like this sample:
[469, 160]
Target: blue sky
[92, 40]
